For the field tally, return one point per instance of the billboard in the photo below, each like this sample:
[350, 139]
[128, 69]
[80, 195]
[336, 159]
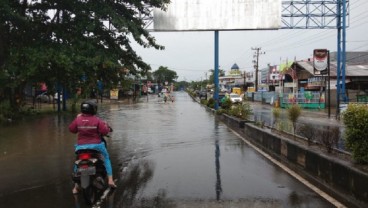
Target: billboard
[320, 61]
[210, 15]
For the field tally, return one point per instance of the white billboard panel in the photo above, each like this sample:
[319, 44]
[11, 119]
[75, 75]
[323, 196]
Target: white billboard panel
[195, 15]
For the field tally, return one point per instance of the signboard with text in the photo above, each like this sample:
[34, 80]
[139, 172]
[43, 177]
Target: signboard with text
[114, 94]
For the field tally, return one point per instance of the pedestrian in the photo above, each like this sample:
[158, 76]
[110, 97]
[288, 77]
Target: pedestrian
[90, 130]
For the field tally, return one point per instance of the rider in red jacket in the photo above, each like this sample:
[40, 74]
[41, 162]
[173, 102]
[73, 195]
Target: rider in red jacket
[90, 130]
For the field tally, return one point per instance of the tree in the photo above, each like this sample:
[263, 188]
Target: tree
[163, 74]
[212, 76]
[181, 85]
[61, 41]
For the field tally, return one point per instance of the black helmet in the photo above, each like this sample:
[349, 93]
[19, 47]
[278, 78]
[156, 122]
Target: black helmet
[89, 107]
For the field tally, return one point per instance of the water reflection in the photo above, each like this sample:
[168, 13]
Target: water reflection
[218, 187]
[133, 179]
[30, 147]
[294, 199]
[218, 174]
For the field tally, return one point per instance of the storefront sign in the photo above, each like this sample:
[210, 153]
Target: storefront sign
[289, 84]
[114, 94]
[316, 81]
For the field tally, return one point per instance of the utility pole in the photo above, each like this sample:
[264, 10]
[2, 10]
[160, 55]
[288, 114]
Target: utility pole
[244, 87]
[205, 74]
[255, 62]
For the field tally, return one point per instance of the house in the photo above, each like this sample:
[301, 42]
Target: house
[234, 78]
[356, 77]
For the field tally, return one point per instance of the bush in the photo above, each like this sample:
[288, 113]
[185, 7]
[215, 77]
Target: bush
[221, 111]
[246, 110]
[356, 133]
[235, 110]
[308, 131]
[328, 137]
[204, 102]
[226, 103]
[293, 114]
[6, 112]
[211, 103]
[276, 112]
[242, 111]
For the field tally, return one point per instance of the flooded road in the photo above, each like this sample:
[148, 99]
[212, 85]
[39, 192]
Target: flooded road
[167, 155]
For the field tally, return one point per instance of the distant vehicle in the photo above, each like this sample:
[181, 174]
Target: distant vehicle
[56, 97]
[237, 90]
[44, 98]
[202, 94]
[235, 98]
[129, 92]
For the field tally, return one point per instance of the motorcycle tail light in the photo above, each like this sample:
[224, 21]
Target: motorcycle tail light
[84, 156]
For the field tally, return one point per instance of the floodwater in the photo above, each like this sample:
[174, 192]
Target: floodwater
[165, 155]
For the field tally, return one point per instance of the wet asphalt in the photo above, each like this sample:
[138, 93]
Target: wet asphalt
[173, 154]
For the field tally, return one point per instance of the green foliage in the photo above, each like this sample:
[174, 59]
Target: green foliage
[181, 84]
[204, 102]
[5, 111]
[276, 112]
[44, 41]
[283, 126]
[246, 110]
[260, 124]
[211, 103]
[226, 103]
[293, 115]
[211, 79]
[163, 74]
[356, 133]
[236, 110]
[242, 111]
[221, 111]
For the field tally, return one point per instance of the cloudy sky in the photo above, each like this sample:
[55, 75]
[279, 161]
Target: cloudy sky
[191, 54]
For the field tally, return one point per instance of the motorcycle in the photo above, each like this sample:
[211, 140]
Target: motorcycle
[91, 175]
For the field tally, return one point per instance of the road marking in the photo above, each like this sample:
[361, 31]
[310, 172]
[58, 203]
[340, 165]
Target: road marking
[323, 194]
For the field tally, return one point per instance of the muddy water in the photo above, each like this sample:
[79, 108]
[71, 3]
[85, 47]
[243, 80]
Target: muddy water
[165, 155]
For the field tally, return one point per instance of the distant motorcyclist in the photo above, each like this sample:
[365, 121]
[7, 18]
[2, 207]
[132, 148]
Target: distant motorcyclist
[90, 129]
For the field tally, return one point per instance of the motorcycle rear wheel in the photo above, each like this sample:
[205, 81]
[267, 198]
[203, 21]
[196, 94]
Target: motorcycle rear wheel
[90, 195]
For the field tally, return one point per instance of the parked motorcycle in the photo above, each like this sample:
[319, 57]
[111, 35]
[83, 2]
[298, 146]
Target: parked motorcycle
[91, 175]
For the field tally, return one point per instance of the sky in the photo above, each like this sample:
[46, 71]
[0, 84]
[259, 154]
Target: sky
[191, 54]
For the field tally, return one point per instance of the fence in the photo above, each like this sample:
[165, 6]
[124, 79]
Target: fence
[307, 99]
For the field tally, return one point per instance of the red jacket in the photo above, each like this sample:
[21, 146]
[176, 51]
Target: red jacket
[89, 129]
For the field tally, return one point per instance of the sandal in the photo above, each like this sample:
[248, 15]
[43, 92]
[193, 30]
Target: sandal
[75, 189]
[112, 185]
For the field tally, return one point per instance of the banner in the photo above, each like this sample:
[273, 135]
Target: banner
[320, 61]
[114, 94]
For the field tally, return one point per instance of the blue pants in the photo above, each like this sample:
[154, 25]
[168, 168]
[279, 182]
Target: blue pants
[102, 149]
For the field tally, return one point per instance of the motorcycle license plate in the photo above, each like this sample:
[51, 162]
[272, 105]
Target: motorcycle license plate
[87, 171]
